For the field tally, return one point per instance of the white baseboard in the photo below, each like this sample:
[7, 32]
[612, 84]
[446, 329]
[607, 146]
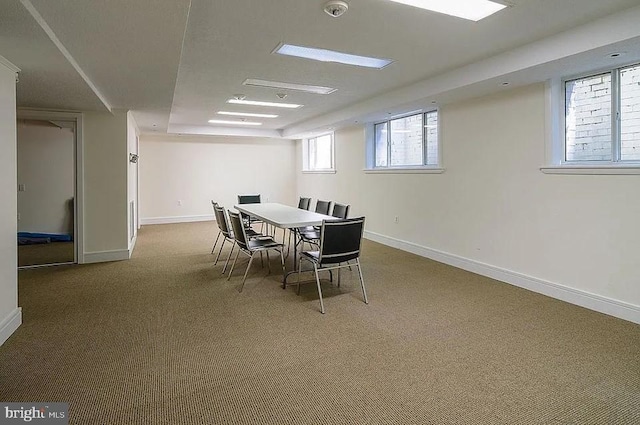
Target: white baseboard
[180, 219]
[104, 256]
[10, 324]
[585, 299]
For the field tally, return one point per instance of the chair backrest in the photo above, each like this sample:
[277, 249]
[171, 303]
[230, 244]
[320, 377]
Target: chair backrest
[221, 219]
[238, 229]
[214, 204]
[304, 203]
[323, 207]
[249, 199]
[340, 240]
[340, 211]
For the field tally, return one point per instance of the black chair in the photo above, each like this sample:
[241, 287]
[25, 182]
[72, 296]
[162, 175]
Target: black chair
[227, 233]
[251, 246]
[313, 236]
[304, 203]
[340, 211]
[340, 242]
[250, 199]
[214, 205]
[323, 207]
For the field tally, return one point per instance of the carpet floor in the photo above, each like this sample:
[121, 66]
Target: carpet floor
[165, 339]
[50, 253]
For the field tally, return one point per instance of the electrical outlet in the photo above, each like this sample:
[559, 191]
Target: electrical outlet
[179, 203]
[395, 219]
[18, 216]
[21, 187]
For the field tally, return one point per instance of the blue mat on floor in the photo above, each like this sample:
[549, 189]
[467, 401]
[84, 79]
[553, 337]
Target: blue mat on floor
[53, 237]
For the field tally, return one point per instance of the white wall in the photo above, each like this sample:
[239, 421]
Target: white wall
[105, 186]
[46, 169]
[10, 315]
[494, 212]
[197, 169]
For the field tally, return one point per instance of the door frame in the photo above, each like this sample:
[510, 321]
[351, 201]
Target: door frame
[78, 225]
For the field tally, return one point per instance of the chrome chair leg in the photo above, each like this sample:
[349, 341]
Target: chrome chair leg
[268, 262]
[244, 278]
[219, 252]
[234, 264]
[315, 268]
[364, 293]
[216, 242]
[233, 245]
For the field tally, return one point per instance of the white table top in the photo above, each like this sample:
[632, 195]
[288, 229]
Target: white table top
[283, 216]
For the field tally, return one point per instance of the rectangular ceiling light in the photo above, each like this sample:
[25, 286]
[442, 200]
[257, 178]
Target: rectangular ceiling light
[234, 122]
[289, 86]
[260, 103]
[323, 55]
[247, 114]
[474, 10]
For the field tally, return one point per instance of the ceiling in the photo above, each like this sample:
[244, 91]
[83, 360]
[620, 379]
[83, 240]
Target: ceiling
[175, 63]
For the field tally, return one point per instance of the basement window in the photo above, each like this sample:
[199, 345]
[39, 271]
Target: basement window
[318, 154]
[597, 125]
[407, 143]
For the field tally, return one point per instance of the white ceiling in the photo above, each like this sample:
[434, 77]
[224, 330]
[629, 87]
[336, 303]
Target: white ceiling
[176, 62]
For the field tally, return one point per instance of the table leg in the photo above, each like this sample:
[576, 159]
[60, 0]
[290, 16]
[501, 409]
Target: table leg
[295, 259]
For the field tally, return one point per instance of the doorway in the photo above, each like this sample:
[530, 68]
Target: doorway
[47, 201]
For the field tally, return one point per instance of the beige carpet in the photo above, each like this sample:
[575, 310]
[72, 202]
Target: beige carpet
[163, 339]
[49, 253]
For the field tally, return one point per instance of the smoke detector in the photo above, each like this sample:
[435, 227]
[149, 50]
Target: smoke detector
[335, 8]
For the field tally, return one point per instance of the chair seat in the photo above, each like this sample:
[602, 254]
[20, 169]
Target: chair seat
[310, 236]
[312, 255]
[306, 229]
[262, 243]
[252, 233]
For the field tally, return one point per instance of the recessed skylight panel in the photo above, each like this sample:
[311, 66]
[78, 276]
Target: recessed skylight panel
[225, 122]
[473, 10]
[289, 86]
[247, 114]
[261, 103]
[324, 55]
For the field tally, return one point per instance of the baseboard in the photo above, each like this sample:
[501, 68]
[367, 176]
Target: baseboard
[585, 299]
[180, 219]
[10, 324]
[104, 256]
